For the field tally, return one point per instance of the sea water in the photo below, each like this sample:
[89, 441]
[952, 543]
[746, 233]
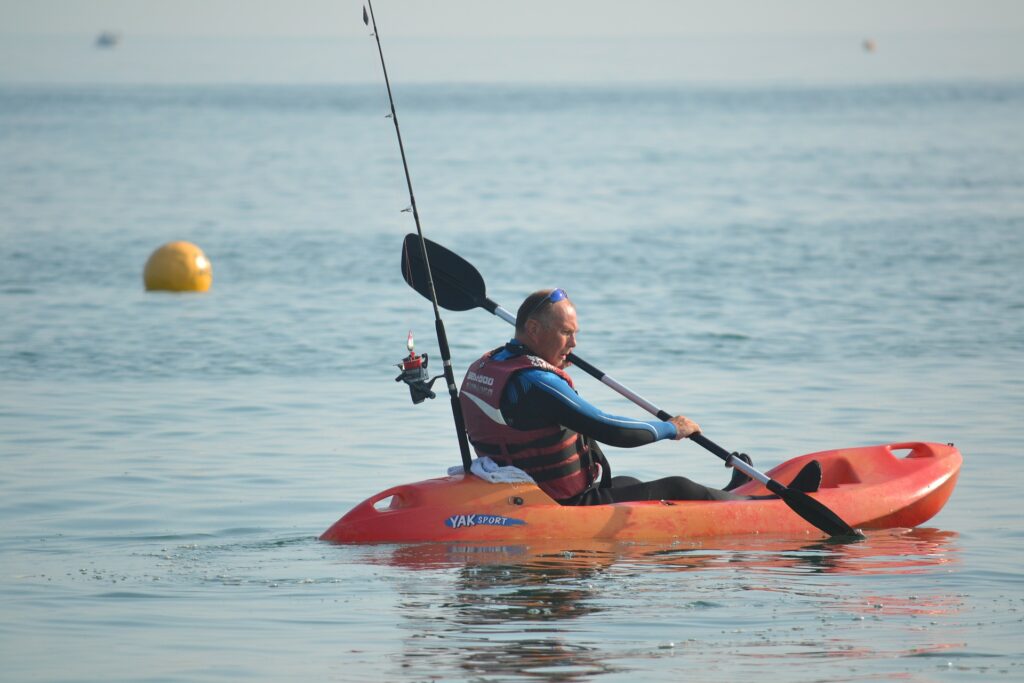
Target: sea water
[796, 268]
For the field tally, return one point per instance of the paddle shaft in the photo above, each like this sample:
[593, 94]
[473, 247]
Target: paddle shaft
[636, 398]
[442, 337]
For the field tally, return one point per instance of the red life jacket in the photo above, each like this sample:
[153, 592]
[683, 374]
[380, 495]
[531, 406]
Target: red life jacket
[557, 458]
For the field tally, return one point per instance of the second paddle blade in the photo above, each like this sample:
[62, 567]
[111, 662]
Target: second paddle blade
[818, 514]
[458, 284]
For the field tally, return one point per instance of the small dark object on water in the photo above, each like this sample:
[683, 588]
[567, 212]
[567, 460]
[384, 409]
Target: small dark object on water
[107, 39]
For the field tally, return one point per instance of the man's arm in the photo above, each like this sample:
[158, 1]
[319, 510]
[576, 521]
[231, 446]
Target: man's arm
[536, 398]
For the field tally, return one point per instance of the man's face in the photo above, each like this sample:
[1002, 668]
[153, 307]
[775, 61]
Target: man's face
[554, 335]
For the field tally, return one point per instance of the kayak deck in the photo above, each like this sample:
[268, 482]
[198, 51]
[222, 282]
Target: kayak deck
[872, 487]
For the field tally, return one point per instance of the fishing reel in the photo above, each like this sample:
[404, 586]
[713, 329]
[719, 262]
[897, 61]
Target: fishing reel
[415, 374]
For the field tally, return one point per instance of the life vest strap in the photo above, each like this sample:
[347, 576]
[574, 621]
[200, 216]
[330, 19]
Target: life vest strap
[550, 474]
[511, 449]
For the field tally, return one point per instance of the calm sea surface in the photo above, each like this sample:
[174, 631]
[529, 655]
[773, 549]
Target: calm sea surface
[795, 268]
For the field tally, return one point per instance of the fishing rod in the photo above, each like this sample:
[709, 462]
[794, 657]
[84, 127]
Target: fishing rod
[442, 337]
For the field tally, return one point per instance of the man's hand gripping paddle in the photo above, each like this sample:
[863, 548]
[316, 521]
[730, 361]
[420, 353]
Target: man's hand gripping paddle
[460, 287]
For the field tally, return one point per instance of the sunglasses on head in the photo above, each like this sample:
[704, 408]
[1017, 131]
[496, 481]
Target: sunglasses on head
[554, 297]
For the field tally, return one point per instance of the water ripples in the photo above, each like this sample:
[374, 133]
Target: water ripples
[796, 268]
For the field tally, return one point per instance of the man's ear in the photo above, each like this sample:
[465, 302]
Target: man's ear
[532, 327]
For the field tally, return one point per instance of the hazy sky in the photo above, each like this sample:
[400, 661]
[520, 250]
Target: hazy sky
[480, 41]
[518, 18]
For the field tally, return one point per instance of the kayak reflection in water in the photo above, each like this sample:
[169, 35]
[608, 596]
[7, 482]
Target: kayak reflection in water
[521, 409]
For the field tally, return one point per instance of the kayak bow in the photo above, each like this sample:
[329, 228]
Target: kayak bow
[870, 487]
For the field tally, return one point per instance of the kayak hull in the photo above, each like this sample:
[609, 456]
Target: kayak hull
[873, 487]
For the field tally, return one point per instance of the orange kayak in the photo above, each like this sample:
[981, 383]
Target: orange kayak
[873, 487]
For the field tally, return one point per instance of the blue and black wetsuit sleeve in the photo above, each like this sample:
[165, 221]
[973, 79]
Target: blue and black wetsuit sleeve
[537, 398]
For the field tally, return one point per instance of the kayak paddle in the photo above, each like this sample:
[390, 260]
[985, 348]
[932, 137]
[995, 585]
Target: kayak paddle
[458, 286]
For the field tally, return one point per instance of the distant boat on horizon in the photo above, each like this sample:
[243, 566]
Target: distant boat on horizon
[107, 39]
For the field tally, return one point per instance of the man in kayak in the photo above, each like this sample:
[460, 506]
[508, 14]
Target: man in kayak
[521, 409]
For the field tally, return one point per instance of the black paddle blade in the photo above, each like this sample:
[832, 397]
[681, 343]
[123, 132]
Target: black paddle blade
[458, 284]
[817, 513]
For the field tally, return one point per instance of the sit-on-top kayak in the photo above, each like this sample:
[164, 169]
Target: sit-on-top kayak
[873, 487]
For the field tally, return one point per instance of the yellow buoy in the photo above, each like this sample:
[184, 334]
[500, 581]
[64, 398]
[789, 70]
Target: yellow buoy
[178, 267]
